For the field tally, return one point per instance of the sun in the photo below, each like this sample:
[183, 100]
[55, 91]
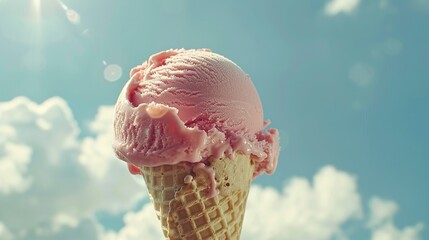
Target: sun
[71, 15]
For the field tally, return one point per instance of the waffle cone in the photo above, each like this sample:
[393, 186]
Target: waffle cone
[184, 209]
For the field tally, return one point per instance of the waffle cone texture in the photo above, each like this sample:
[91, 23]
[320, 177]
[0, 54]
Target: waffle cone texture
[180, 197]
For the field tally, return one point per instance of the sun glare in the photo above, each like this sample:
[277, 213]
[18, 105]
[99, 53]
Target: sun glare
[36, 7]
[63, 5]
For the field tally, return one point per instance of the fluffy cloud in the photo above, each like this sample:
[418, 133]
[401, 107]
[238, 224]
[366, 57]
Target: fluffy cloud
[48, 173]
[381, 221]
[307, 210]
[382, 211]
[14, 160]
[335, 7]
[57, 181]
[87, 228]
[5, 234]
[95, 151]
[142, 224]
[303, 210]
[390, 231]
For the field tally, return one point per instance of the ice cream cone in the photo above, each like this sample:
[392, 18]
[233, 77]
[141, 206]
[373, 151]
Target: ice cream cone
[175, 119]
[162, 183]
[180, 194]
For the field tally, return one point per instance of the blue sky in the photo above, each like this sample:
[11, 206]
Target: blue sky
[346, 82]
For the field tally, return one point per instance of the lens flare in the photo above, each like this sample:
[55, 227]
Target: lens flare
[71, 14]
[112, 72]
[85, 32]
[63, 5]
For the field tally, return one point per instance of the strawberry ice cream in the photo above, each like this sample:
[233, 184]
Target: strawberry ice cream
[189, 106]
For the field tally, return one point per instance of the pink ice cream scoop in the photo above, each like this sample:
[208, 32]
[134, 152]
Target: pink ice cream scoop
[188, 106]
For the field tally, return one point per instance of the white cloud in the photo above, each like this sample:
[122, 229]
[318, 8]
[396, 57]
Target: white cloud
[39, 145]
[307, 210]
[381, 221]
[62, 220]
[14, 159]
[381, 211]
[139, 225]
[96, 153]
[61, 180]
[335, 7]
[391, 232]
[86, 229]
[5, 234]
[303, 210]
